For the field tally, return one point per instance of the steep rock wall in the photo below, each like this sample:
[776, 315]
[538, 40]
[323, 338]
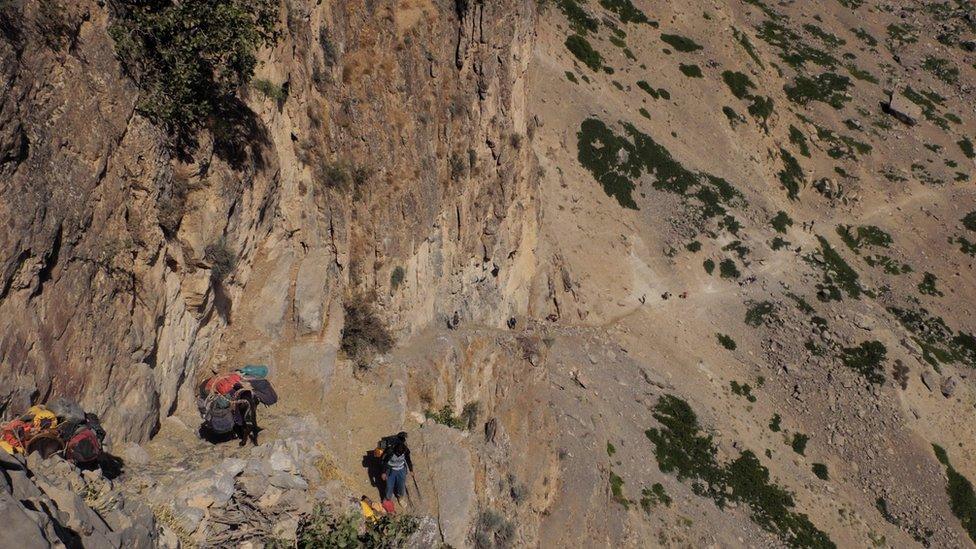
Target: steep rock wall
[107, 289]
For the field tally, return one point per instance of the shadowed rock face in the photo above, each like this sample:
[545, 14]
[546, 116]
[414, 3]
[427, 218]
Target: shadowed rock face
[106, 291]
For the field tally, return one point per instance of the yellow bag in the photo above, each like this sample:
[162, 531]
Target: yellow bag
[367, 510]
[41, 418]
[6, 447]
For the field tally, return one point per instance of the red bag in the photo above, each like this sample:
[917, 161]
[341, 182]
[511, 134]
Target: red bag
[84, 447]
[389, 507]
[15, 433]
[223, 384]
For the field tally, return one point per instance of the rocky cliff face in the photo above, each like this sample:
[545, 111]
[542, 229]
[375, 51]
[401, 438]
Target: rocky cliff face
[393, 171]
[673, 273]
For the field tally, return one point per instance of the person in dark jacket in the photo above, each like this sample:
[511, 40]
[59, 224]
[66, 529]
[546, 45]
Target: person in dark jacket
[398, 465]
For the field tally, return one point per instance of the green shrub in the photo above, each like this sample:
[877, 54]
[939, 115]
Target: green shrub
[728, 269]
[781, 222]
[865, 235]
[743, 40]
[739, 84]
[962, 498]
[829, 88]
[579, 20]
[943, 69]
[709, 266]
[967, 149]
[396, 277]
[904, 33]
[734, 117]
[969, 221]
[799, 443]
[274, 92]
[774, 423]
[928, 285]
[691, 71]
[791, 176]
[617, 489]
[726, 341]
[820, 470]
[222, 260]
[581, 48]
[189, 59]
[654, 496]
[681, 448]
[758, 311]
[744, 390]
[364, 334]
[466, 421]
[344, 176]
[642, 84]
[494, 531]
[837, 275]
[625, 10]
[323, 528]
[867, 359]
[571, 77]
[616, 161]
[761, 108]
[865, 37]
[680, 43]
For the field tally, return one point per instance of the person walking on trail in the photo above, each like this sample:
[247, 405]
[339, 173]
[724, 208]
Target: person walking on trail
[398, 465]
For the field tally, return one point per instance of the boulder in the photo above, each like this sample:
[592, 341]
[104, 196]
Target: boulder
[20, 525]
[272, 302]
[929, 380]
[426, 535]
[312, 289]
[452, 478]
[901, 108]
[287, 481]
[135, 455]
[949, 385]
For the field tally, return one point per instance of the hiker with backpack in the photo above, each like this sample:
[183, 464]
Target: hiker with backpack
[398, 465]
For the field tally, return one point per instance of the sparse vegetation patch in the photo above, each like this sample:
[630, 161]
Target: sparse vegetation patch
[626, 11]
[864, 235]
[680, 43]
[580, 47]
[617, 162]
[691, 70]
[792, 175]
[962, 498]
[928, 285]
[837, 274]
[781, 222]
[867, 359]
[830, 88]
[681, 448]
[938, 342]
[758, 312]
[189, 59]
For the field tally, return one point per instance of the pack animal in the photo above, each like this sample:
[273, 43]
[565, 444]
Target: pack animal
[245, 408]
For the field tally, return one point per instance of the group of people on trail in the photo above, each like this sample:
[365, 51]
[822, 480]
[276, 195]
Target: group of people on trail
[388, 467]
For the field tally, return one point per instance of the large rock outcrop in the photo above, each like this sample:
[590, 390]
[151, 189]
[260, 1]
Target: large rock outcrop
[108, 290]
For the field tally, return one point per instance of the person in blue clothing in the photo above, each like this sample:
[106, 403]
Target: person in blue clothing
[398, 465]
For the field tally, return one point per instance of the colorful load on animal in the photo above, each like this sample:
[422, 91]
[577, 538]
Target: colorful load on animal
[62, 428]
[223, 399]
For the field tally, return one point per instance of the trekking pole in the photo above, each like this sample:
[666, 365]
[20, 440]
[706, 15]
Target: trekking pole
[415, 485]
